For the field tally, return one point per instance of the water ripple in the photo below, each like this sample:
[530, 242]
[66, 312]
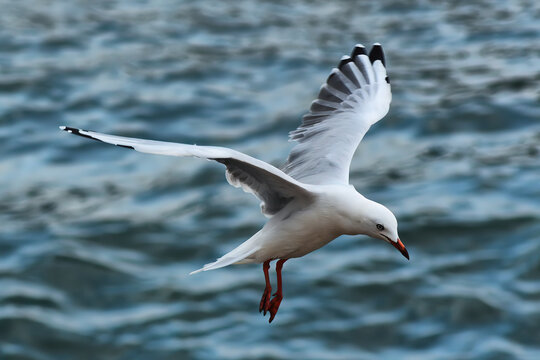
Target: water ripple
[97, 242]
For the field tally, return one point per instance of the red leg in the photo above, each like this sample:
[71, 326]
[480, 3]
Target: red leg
[265, 300]
[278, 296]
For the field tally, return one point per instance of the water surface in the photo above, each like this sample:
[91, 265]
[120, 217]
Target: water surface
[96, 241]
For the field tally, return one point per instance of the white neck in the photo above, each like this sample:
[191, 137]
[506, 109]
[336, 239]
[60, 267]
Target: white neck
[353, 211]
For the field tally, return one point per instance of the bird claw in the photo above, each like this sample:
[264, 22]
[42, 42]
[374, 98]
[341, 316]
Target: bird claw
[274, 306]
[265, 300]
[266, 304]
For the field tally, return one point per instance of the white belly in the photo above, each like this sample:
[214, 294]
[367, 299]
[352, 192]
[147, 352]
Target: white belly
[298, 234]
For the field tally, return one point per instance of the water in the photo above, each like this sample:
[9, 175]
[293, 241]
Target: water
[96, 241]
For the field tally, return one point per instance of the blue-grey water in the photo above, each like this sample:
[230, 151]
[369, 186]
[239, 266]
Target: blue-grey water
[96, 241]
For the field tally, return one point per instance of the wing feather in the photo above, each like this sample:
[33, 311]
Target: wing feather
[355, 96]
[272, 186]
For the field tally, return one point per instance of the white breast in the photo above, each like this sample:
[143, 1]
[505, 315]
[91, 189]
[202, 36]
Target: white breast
[296, 232]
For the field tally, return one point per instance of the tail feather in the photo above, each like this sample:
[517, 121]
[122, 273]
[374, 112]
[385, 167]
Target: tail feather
[234, 256]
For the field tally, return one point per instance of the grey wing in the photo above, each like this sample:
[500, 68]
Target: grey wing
[272, 186]
[355, 96]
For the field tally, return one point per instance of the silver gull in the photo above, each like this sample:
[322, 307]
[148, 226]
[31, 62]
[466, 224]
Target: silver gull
[309, 202]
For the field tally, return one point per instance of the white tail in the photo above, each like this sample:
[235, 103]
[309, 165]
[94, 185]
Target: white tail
[239, 253]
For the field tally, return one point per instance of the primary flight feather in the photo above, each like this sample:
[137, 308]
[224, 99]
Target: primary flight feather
[310, 202]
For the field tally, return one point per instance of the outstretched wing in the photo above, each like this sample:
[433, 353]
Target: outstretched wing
[355, 96]
[272, 186]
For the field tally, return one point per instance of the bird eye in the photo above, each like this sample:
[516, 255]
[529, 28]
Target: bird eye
[380, 227]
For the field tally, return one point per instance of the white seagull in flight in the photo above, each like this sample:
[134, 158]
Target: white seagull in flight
[310, 201]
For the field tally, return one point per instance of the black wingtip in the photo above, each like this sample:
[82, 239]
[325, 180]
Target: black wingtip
[76, 131]
[72, 130]
[377, 53]
[344, 60]
[359, 49]
[332, 74]
[68, 129]
[126, 146]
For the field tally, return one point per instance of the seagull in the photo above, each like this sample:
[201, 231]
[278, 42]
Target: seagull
[309, 202]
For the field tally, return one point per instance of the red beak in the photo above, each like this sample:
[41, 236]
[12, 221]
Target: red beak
[399, 245]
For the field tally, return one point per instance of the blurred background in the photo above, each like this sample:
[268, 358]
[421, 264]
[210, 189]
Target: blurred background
[96, 241]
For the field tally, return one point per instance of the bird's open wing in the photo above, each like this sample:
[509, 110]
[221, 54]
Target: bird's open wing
[272, 186]
[355, 96]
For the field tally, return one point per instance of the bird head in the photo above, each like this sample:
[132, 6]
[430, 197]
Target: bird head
[380, 223]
